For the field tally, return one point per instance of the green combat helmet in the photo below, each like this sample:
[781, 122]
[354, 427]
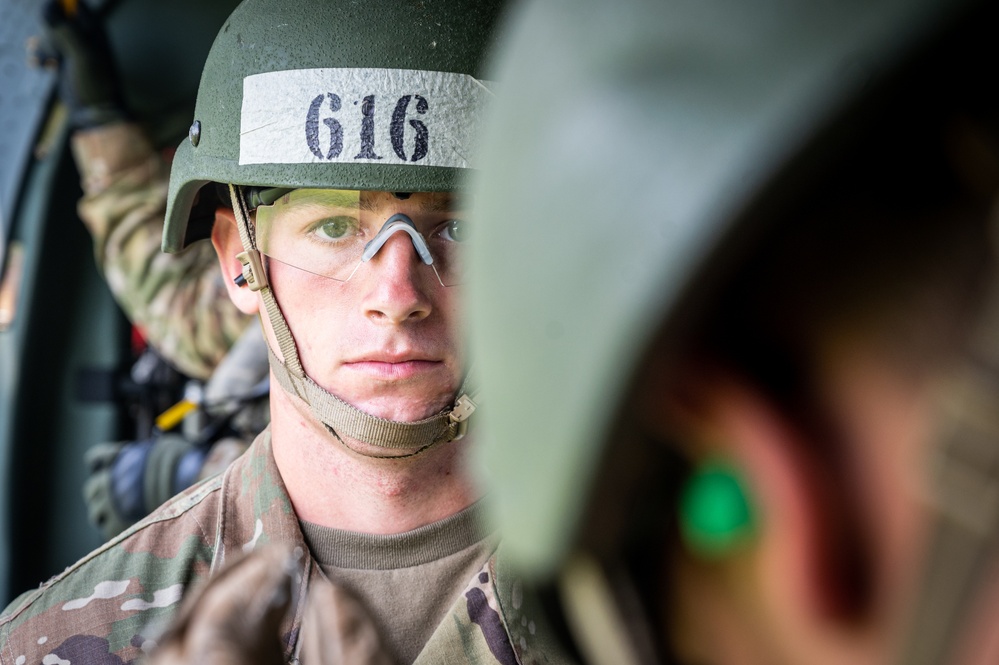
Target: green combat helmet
[380, 95]
[644, 145]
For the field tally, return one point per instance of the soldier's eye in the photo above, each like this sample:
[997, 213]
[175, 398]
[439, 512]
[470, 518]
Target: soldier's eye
[453, 230]
[335, 228]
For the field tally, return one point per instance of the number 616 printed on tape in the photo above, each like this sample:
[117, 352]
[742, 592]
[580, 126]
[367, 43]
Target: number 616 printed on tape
[360, 116]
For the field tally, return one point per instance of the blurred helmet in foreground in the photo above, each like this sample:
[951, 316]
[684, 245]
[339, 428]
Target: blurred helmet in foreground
[640, 153]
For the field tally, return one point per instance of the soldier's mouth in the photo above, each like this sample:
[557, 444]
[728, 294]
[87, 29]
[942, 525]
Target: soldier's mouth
[387, 370]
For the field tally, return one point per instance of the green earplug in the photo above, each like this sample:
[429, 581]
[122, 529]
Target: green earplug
[715, 513]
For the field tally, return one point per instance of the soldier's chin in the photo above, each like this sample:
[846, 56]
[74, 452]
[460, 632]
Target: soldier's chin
[404, 409]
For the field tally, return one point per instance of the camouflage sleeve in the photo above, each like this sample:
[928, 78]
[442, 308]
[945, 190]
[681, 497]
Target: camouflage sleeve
[109, 608]
[177, 300]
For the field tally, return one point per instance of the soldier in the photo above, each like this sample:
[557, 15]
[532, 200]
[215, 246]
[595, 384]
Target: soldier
[746, 411]
[324, 154]
[177, 301]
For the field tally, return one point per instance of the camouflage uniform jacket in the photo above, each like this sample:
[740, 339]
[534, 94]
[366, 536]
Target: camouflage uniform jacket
[109, 607]
[178, 301]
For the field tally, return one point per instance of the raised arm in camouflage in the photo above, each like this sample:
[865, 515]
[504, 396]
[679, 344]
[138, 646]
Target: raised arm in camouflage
[178, 301]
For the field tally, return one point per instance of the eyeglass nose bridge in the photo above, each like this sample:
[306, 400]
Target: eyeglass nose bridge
[395, 223]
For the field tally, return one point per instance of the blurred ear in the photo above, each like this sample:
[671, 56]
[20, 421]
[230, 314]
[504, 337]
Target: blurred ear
[225, 238]
[787, 512]
[789, 574]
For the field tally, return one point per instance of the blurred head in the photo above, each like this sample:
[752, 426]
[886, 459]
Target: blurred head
[749, 313]
[323, 159]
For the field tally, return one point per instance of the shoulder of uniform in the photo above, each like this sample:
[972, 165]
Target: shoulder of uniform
[532, 636]
[155, 557]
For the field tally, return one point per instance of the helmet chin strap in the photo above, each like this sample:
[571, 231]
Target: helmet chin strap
[339, 417]
[964, 492]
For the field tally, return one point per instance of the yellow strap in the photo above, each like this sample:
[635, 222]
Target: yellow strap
[170, 418]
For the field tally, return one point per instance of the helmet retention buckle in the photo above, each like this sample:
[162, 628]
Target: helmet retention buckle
[254, 275]
[463, 409]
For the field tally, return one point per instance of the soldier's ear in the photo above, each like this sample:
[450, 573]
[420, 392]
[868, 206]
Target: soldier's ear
[790, 526]
[225, 238]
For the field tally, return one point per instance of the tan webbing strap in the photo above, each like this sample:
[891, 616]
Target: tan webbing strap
[965, 494]
[283, 334]
[963, 540]
[259, 282]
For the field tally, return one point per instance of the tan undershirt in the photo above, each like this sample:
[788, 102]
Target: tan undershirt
[407, 581]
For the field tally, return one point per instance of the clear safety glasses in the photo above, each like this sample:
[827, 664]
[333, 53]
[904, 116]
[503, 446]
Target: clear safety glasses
[334, 232]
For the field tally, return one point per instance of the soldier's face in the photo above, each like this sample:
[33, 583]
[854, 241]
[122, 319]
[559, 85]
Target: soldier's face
[387, 340]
